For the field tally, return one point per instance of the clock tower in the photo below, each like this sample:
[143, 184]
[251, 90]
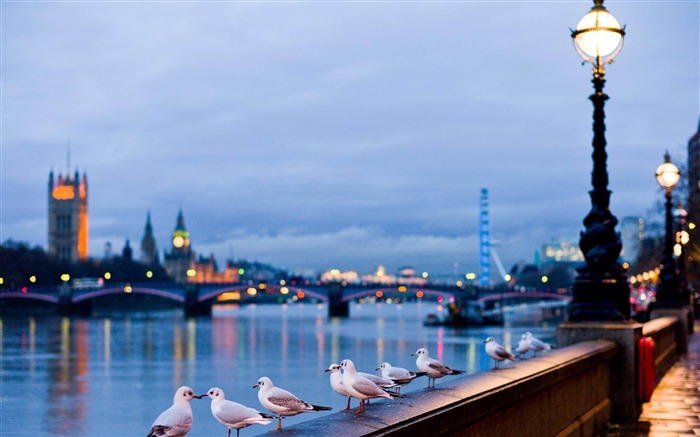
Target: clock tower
[181, 257]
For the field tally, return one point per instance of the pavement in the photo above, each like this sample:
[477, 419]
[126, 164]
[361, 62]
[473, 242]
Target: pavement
[674, 408]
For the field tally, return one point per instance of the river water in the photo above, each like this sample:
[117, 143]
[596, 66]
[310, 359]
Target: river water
[112, 376]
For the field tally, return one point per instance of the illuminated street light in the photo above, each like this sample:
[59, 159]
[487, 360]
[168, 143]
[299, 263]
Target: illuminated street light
[668, 292]
[600, 291]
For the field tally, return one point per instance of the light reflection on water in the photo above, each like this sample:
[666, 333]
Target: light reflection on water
[112, 376]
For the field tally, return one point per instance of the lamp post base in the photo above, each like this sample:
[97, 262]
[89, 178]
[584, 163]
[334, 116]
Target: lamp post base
[599, 301]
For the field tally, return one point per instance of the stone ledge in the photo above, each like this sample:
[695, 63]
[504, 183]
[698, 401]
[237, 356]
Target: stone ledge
[466, 401]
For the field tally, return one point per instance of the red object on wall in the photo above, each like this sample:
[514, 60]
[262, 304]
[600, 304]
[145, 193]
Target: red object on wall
[646, 368]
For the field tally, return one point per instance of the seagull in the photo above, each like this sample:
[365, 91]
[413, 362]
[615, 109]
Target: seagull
[523, 346]
[398, 375]
[497, 352]
[381, 382]
[234, 415]
[536, 344]
[360, 387]
[176, 421]
[337, 382]
[432, 367]
[282, 402]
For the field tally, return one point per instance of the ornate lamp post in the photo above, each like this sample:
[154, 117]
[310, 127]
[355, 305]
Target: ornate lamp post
[668, 294]
[682, 238]
[600, 291]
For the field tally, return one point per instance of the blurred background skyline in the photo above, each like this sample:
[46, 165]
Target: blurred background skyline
[336, 134]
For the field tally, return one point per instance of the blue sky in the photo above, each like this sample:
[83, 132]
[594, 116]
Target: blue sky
[313, 135]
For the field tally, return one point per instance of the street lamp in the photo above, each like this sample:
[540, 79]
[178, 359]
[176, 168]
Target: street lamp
[682, 238]
[668, 294]
[600, 291]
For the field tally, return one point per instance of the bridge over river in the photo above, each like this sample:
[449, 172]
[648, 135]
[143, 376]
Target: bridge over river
[198, 299]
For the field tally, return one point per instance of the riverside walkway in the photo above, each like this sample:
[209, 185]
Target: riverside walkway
[674, 408]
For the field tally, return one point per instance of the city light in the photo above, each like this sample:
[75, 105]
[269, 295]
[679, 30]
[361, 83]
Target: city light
[149, 274]
[127, 288]
[545, 279]
[2, 281]
[691, 225]
[507, 277]
[379, 294]
[402, 289]
[241, 271]
[252, 291]
[262, 286]
[108, 276]
[425, 275]
[32, 279]
[300, 294]
[191, 273]
[65, 277]
[284, 290]
[229, 295]
[419, 294]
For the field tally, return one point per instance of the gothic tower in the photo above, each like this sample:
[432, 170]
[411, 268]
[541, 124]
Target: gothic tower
[149, 253]
[68, 217]
[180, 258]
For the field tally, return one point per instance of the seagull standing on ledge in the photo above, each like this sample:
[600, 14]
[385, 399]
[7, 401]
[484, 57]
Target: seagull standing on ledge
[234, 415]
[360, 387]
[523, 346]
[176, 421]
[536, 344]
[282, 402]
[398, 375]
[432, 367]
[337, 382]
[497, 352]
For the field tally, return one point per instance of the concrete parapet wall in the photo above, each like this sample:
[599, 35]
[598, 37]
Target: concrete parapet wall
[562, 393]
[664, 332]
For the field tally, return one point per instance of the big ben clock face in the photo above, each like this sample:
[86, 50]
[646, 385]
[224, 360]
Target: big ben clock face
[178, 241]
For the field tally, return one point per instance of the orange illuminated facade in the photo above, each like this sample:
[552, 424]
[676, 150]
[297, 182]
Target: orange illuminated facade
[68, 217]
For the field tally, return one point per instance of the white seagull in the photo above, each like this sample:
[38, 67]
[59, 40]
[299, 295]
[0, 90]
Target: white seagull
[398, 375]
[176, 421]
[337, 382]
[360, 387]
[282, 402]
[234, 415]
[523, 346]
[497, 352]
[432, 367]
[536, 344]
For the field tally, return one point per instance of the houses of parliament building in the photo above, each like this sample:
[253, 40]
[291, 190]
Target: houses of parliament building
[68, 236]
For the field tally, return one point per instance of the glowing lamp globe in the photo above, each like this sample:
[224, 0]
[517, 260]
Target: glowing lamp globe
[598, 36]
[667, 174]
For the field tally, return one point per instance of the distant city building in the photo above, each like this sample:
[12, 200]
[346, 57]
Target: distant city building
[408, 276]
[207, 271]
[560, 252]
[632, 231]
[181, 257]
[68, 217]
[694, 195]
[149, 252]
[380, 276]
[127, 252]
[333, 275]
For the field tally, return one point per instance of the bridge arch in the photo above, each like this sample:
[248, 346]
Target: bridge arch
[30, 296]
[103, 292]
[269, 289]
[408, 292]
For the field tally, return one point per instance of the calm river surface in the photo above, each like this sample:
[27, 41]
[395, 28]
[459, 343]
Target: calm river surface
[113, 376]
